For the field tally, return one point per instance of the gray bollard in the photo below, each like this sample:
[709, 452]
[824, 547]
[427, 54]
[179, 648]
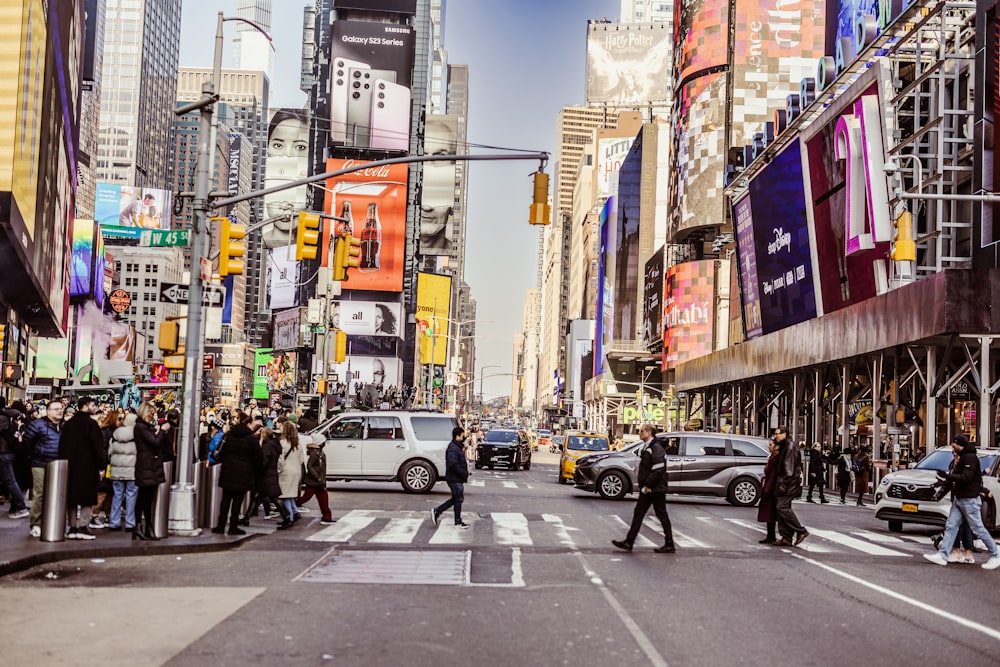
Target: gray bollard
[200, 474]
[54, 501]
[210, 496]
[161, 505]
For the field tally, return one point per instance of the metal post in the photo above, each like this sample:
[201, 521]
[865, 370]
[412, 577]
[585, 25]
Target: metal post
[985, 438]
[817, 405]
[845, 388]
[162, 501]
[54, 501]
[876, 406]
[930, 412]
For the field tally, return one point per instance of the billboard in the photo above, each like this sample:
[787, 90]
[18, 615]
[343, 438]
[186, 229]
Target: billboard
[51, 358]
[385, 371]
[287, 334]
[433, 307]
[379, 195]
[701, 37]
[688, 312]
[628, 64]
[652, 299]
[123, 211]
[371, 65]
[279, 372]
[437, 199]
[262, 358]
[408, 7]
[750, 299]
[368, 318]
[627, 276]
[81, 270]
[604, 323]
[611, 153]
[287, 160]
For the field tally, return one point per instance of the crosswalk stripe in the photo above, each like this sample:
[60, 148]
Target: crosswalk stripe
[878, 537]
[345, 528]
[448, 533]
[562, 532]
[854, 543]
[476, 482]
[811, 547]
[398, 531]
[640, 540]
[511, 528]
[510, 485]
[680, 539]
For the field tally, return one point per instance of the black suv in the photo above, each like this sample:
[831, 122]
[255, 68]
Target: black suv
[504, 447]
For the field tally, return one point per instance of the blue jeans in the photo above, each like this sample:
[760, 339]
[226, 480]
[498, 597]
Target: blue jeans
[969, 508]
[127, 488]
[290, 507]
[7, 477]
[457, 497]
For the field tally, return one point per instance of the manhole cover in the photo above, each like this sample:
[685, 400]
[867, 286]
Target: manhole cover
[448, 568]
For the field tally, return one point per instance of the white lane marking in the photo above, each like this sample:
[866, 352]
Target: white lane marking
[811, 547]
[854, 543]
[561, 531]
[640, 541]
[510, 485]
[476, 482]
[448, 533]
[972, 625]
[680, 539]
[398, 531]
[878, 537]
[345, 528]
[517, 572]
[511, 528]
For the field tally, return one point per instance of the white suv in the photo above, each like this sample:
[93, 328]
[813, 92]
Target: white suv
[907, 496]
[387, 446]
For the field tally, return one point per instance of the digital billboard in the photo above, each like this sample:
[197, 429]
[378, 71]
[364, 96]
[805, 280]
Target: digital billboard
[437, 198]
[433, 306]
[287, 161]
[627, 276]
[408, 7]
[385, 371]
[368, 318]
[262, 359]
[747, 254]
[371, 65]
[611, 152]
[378, 202]
[628, 64]
[604, 321]
[81, 271]
[286, 329]
[701, 37]
[51, 358]
[652, 298]
[124, 211]
[688, 311]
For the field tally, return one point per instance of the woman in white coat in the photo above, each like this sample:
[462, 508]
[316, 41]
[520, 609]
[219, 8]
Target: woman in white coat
[122, 460]
[290, 464]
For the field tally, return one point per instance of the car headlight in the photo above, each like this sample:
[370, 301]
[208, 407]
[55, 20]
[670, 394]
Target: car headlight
[885, 481]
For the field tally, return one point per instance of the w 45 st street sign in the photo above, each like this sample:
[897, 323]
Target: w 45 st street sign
[161, 238]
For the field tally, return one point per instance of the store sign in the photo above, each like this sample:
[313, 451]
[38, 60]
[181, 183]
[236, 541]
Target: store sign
[650, 413]
[858, 141]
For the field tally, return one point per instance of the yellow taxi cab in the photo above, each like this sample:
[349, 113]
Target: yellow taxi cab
[575, 445]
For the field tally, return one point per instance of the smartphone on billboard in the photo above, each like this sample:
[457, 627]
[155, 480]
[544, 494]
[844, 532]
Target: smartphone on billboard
[390, 119]
[359, 103]
[339, 92]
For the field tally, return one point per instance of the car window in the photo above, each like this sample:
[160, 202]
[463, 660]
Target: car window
[940, 459]
[384, 428]
[704, 446]
[348, 428]
[587, 443]
[671, 445]
[433, 428]
[501, 436]
[744, 448]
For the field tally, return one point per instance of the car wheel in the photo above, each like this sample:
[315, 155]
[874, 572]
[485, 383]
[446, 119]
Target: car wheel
[479, 466]
[895, 526]
[744, 492]
[418, 477]
[514, 465]
[988, 512]
[527, 466]
[612, 485]
[562, 480]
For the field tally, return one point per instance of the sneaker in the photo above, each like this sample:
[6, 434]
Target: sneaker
[328, 522]
[237, 531]
[84, 534]
[968, 558]
[96, 523]
[273, 515]
[284, 525]
[36, 531]
[461, 524]
[823, 501]
[992, 564]
[810, 500]
[304, 510]
[622, 544]
[801, 536]
[434, 517]
[71, 534]
[19, 514]
[956, 556]
[938, 559]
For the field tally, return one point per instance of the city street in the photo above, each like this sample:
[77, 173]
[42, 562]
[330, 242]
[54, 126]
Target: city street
[534, 580]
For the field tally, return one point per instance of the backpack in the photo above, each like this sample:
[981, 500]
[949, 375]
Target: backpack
[856, 466]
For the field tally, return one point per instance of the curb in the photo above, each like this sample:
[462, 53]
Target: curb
[157, 549]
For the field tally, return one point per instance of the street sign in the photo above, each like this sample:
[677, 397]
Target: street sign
[161, 238]
[35, 389]
[120, 300]
[213, 295]
[208, 361]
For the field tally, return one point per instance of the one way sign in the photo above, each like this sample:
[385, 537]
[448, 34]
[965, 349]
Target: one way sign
[212, 296]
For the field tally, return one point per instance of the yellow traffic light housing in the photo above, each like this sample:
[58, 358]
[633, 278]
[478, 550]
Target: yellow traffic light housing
[340, 347]
[904, 249]
[539, 212]
[169, 337]
[231, 247]
[307, 236]
[347, 255]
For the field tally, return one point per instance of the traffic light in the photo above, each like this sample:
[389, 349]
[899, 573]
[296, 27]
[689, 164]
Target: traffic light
[231, 247]
[539, 212]
[340, 347]
[169, 337]
[307, 236]
[904, 249]
[11, 372]
[346, 255]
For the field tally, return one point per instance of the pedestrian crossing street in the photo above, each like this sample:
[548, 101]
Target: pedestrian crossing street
[515, 529]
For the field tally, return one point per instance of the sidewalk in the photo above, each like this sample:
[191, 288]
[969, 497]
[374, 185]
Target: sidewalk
[19, 551]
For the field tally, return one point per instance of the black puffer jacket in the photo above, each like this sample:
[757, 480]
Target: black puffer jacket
[148, 455]
[966, 476]
[267, 483]
[653, 467]
[241, 459]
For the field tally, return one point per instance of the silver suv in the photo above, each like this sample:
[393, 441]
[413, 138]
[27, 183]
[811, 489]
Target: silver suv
[702, 464]
[387, 446]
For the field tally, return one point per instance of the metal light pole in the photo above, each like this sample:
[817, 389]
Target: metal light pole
[482, 376]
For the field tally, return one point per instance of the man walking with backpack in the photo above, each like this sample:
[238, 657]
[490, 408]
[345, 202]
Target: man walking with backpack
[652, 493]
[8, 445]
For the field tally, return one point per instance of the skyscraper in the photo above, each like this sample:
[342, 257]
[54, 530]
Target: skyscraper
[647, 11]
[251, 50]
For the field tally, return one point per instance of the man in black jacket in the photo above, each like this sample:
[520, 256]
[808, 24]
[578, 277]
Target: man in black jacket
[456, 474]
[82, 444]
[788, 487]
[8, 445]
[966, 480]
[652, 492]
[817, 473]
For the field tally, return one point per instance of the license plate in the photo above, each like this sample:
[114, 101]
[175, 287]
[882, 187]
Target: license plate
[909, 507]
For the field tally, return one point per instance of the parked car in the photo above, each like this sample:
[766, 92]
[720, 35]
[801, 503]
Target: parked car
[387, 446]
[544, 437]
[504, 447]
[907, 496]
[702, 464]
[575, 445]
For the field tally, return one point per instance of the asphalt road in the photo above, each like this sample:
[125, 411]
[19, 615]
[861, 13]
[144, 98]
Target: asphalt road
[533, 581]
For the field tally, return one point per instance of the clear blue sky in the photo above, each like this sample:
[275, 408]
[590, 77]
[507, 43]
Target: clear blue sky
[526, 61]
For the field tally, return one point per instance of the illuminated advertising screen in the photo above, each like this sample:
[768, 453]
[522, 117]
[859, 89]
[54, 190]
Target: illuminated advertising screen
[604, 323]
[262, 358]
[377, 199]
[408, 7]
[745, 250]
[81, 270]
[781, 242]
[385, 371]
[124, 211]
[287, 161]
[627, 277]
[699, 156]
[628, 64]
[437, 197]
[371, 65]
[368, 318]
[51, 358]
[843, 279]
[287, 334]
[280, 371]
[433, 306]
[688, 313]
[652, 297]
[701, 38]
[611, 153]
